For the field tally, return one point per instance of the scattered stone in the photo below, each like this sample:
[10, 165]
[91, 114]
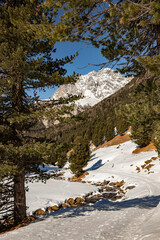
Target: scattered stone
[112, 184]
[120, 184]
[84, 197]
[74, 205]
[102, 184]
[49, 209]
[39, 212]
[130, 187]
[55, 208]
[108, 195]
[148, 161]
[113, 192]
[70, 201]
[78, 179]
[138, 169]
[64, 205]
[79, 200]
[106, 182]
[109, 189]
[93, 199]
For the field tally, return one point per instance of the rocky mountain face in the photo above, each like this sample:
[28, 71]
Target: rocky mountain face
[92, 87]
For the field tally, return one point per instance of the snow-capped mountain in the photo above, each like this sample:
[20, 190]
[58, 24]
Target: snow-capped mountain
[93, 87]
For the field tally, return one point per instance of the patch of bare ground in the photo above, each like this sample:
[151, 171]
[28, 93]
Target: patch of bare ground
[79, 178]
[25, 222]
[146, 166]
[115, 141]
[149, 147]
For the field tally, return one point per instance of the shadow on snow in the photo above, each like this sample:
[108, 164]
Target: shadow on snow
[148, 202]
[95, 166]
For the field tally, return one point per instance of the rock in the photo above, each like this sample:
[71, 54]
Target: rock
[49, 209]
[138, 169]
[93, 199]
[112, 184]
[99, 84]
[106, 182]
[79, 200]
[84, 197]
[74, 205]
[120, 184]
[39, 212]
[109, 189]
[102, 184]
[130, 187]
[70, 201]
[64, 205]
[108, 195]
[55, 208]
[116, 198]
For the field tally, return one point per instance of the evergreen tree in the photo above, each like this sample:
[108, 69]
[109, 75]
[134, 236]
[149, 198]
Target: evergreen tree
[129, 33]
[80, 156]
[28, 35]
[144, 113]
[127, 30]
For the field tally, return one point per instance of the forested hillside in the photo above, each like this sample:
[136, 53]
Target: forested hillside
[97, 122]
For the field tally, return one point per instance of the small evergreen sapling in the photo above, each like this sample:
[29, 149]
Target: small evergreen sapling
[80, 156]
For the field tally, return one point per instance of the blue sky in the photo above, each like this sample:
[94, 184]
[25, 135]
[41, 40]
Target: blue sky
[87, 55]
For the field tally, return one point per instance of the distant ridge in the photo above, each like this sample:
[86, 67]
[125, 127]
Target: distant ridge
[93, 87]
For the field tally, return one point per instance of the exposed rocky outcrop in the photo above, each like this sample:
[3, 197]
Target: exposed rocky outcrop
[92, 87]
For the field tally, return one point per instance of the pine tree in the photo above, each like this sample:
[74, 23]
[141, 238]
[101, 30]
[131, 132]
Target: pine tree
[127, 30]
[144, 113]
[80, 156]
[28, 35]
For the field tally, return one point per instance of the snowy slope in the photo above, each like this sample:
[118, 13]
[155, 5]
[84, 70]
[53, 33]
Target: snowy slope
[54, 192]
[93, 87]
[137, 217]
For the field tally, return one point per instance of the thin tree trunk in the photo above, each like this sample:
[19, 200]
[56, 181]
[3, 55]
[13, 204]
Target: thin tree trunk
[19, 197]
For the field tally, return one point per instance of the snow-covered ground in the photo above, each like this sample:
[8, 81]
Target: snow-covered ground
[54, 192]
[136, 217]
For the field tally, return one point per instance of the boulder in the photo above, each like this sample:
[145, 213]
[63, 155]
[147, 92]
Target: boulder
[55, 208]
[93, 199]
[39, 212]
[70, 201]
[79, 200]
[49, 209]
[64, 205]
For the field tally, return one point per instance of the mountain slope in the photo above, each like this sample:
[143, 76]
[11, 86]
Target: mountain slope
[93, 87]
[136, 216]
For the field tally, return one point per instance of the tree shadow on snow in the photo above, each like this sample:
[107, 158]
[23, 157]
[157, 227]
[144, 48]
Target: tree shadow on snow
[148, 202]
[95, 166]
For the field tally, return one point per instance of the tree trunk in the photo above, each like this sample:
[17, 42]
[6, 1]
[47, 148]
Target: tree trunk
[19, 197]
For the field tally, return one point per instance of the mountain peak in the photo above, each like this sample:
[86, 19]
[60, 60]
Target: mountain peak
[93, 87]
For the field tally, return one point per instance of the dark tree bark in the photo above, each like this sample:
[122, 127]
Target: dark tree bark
[19, 197]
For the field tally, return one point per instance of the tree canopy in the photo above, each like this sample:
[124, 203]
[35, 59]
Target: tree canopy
[127, 30]
[28, 35]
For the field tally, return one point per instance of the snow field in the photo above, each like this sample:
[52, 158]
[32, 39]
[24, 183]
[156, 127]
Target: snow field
[137, 217]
